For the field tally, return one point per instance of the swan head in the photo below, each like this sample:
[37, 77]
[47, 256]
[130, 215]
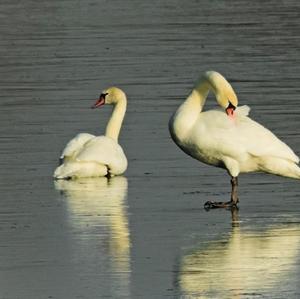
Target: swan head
[110, 96]
[224, 92]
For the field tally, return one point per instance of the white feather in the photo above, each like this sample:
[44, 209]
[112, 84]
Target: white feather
[89, 156]
[75, 145]
[236, 142]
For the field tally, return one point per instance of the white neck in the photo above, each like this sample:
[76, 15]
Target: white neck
[115, 122]
[194, 103]
[188, 112]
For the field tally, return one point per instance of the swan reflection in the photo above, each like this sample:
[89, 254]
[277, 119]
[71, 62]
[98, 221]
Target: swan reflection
[97, 217]
[245, 263]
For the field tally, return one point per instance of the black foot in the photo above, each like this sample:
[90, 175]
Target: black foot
[215, 205]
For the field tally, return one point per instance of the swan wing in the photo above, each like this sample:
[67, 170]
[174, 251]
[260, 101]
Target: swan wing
[260, 141]
[76, 144]
[219, 136]
[104, 150]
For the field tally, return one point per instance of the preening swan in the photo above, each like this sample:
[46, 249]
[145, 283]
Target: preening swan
[228, 138]
[87, 155]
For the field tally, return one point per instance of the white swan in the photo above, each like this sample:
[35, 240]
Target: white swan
[87, 155]
[228, 139]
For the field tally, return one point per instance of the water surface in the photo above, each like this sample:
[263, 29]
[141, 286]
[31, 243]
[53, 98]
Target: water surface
[145, 235]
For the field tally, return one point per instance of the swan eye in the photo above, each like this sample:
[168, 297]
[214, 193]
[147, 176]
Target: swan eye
[103, 95]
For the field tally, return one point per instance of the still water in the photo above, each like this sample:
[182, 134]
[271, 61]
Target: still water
[146, 234]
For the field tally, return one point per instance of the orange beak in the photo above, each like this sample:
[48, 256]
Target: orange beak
[230, 109]
[99, 102]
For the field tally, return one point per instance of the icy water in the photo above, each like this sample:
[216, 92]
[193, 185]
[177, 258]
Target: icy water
[146, 234]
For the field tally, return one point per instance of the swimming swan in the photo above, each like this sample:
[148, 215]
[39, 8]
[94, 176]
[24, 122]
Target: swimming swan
[87, 155]
[228, 139]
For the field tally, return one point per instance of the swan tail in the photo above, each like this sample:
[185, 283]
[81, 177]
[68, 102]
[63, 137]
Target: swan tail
[80, 169]
[282, 167]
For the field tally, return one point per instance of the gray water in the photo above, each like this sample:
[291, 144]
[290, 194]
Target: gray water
[146, 234]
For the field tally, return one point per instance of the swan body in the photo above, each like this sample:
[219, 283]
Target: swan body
[228, 138]
[87, 155]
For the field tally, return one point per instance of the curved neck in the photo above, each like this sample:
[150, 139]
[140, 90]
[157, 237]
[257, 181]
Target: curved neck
[188, 112]
[115, 122]
[195, 101]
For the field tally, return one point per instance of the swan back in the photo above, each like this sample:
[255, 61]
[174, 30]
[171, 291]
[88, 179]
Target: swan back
[243, 110]
[75, 145]
[106, 151]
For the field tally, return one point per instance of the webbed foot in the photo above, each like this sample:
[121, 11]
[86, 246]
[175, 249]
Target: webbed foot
[220, 204]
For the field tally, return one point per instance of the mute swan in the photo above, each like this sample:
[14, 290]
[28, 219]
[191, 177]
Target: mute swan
[87, 155]
[228, 139]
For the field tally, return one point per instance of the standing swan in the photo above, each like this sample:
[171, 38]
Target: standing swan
[228, 139]
[87, 155]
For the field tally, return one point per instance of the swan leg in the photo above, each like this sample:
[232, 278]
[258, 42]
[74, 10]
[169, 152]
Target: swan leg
[229, 204]
[234, 185]
[109, 175]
